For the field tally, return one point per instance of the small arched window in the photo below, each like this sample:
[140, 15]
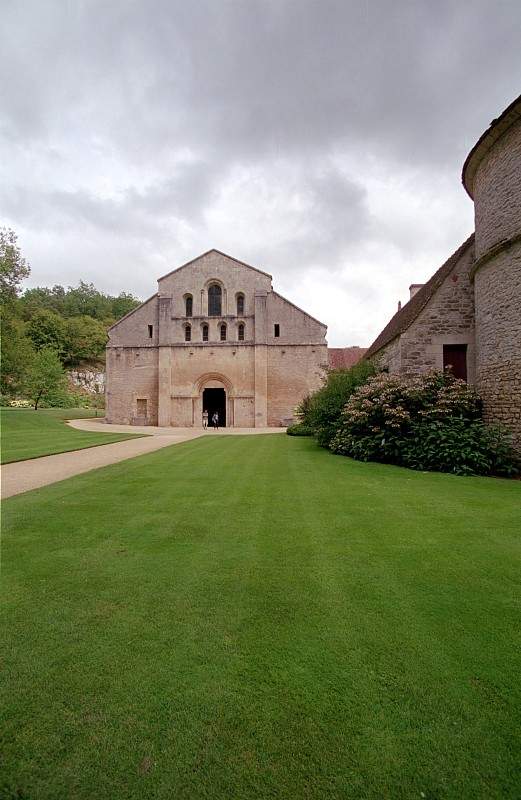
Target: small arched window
[240, 305]
[205, 333]
[188, 333]
[241, 332]
[189, 304]
[214, 300]
[222, 328]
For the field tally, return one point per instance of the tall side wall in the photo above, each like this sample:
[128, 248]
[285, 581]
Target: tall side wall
[132, 374]
[497, 280]
[294, 371]
[132, 366]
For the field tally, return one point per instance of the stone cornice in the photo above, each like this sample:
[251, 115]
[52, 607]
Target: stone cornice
[505, 244]
[486, 142]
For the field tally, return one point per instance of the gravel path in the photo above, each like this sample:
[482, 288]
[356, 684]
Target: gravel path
[99, 425]
[22, 476]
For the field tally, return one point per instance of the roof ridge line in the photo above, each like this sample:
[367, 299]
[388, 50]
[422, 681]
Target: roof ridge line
[221, 253]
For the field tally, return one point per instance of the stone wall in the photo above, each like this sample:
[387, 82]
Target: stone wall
[294, 371]
[497, 279]
[139, 328]
[264, 376]
[447, 318]
[389, 357]
[213, 267]
[498, 323]
[497, 192]
[132, 374]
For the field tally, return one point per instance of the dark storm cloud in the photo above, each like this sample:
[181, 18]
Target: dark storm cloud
[247, 77]
[140, 120]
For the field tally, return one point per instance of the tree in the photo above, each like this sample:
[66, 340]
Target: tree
[45, 376]
[47, 329]
[85, 340]
[13, 266]
[40, 298]
[85, 300]
[122, 304]
[323, 410]
[17, 353]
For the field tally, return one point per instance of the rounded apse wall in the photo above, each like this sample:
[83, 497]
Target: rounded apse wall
[492, 177]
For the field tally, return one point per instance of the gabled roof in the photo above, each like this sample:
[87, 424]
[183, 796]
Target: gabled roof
[219, 252]
[344, 357]
[276, 294]
[406, 316]
[133, 311]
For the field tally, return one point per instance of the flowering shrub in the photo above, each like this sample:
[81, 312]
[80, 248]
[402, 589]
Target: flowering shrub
[321, 412]
[430, 422]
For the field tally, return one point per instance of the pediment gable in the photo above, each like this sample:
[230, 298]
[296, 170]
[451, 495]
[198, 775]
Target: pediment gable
[205, 256]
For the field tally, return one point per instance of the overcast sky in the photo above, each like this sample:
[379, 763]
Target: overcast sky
[320, 141]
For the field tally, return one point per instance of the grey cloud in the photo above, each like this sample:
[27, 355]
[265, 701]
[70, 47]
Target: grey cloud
[161, 104]
[247, 79]
[333, 216]
[180, 196]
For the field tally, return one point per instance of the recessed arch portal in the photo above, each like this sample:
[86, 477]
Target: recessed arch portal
[213, 392]
[212, 380]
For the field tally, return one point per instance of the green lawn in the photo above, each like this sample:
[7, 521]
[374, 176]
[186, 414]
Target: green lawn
[251, 617]
[30, 434]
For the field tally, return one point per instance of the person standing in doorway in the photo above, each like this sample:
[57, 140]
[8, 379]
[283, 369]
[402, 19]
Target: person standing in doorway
[205, 419]
[215, 420]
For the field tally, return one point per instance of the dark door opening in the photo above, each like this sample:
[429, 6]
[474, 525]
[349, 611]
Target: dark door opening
[455, 357]
[215, 400]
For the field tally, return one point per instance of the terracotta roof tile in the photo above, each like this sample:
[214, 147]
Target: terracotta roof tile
[344, 357]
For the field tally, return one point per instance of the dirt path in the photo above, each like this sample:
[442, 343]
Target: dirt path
[99, 425]
[22, 476]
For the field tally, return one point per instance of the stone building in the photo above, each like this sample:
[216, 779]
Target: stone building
[214, 337]
[468, 315]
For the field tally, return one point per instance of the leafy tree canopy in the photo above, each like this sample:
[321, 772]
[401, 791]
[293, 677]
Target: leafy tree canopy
[45, 376]
[47, 329]
[82, 300]
[13, 266]
[85, 339]
[71, 322]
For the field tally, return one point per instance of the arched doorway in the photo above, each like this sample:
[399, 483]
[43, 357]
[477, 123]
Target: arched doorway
[213, 392]
[214, 401]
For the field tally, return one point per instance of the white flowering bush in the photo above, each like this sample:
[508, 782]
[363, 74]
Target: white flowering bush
[429, 422]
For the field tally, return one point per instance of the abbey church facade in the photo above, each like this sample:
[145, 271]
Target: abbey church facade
[215, 337]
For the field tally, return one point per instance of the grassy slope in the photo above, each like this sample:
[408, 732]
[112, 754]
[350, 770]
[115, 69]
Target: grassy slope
[252, 617]
[29, 434]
